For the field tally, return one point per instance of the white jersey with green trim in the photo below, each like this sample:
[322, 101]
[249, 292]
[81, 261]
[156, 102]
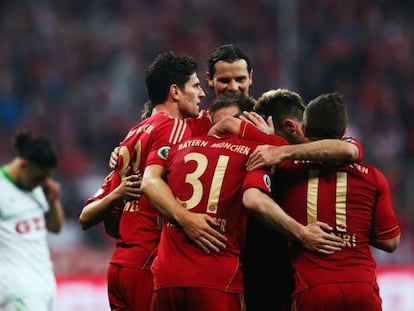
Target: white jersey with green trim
[25, 264]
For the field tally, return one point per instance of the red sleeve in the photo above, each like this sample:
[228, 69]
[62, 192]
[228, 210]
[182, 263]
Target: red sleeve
[250, 132]
[358, 144]
[385, 225]
[258, 179]
[113, 215]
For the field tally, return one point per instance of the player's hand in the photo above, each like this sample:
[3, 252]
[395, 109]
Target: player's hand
[52, 190]
[258, 121]
[265, 156]
[203, 230]
[203, 113]
[270, 124]
[130, 187]
[318, 238]
[113, 158]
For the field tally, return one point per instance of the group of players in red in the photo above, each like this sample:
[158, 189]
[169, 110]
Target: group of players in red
[214, 212]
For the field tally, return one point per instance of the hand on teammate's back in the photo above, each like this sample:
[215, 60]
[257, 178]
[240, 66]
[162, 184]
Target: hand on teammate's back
[265, 156]
[203, 230]
[319, 238]
[130, 187]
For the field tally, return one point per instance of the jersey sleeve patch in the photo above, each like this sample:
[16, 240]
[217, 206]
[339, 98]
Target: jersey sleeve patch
[163, 152]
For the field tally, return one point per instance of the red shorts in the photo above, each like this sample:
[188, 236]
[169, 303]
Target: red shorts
[338, 297]
[196, 298]
[129, 288]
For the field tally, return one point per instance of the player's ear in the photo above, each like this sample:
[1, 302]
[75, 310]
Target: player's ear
[209, 80]
[174, 91]
[289, 126]
[251, 76]
[23, 163]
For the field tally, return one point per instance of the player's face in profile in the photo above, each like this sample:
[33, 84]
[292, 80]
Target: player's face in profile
[190, 97]
[231, 78]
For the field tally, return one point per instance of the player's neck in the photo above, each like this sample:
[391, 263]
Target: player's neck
[12, 170]
[169, 108]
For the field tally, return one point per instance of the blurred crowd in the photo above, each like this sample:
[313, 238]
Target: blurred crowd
[74, 70]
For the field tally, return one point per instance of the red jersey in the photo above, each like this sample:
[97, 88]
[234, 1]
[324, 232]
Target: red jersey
[269, 281]
[199, 126]
[139, 228]
[208, 175]
[354, 199]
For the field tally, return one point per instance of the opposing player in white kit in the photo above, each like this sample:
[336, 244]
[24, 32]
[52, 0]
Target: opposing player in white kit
[29, 207]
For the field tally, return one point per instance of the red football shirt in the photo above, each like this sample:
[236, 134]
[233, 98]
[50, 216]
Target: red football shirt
[139, 228]
[353, 199]
[208, 175]
[268, 282]
[199, 126]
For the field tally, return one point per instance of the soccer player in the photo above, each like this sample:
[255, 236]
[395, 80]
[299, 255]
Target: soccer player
[352, 198]
[29, 207]
[207, 175]
[269, 281]
[175, 93]
[285, 109]
[229, 71]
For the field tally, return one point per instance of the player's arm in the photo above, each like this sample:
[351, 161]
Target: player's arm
[258, 121]
[315, 237]
[200, 228]
[94, 211]
[55, 217]
[385, 233]
[234, 125]
[225, 126]
[388, 245]
[327, 150]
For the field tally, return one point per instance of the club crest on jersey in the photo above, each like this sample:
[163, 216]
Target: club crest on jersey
[163, 152]
[267, 182]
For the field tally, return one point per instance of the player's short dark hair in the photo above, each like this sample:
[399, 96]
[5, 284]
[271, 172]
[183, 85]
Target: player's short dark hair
[325, 117]
[228, 53]
[243, 102]
[35, 149]
[166, 69]
[280, 104]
